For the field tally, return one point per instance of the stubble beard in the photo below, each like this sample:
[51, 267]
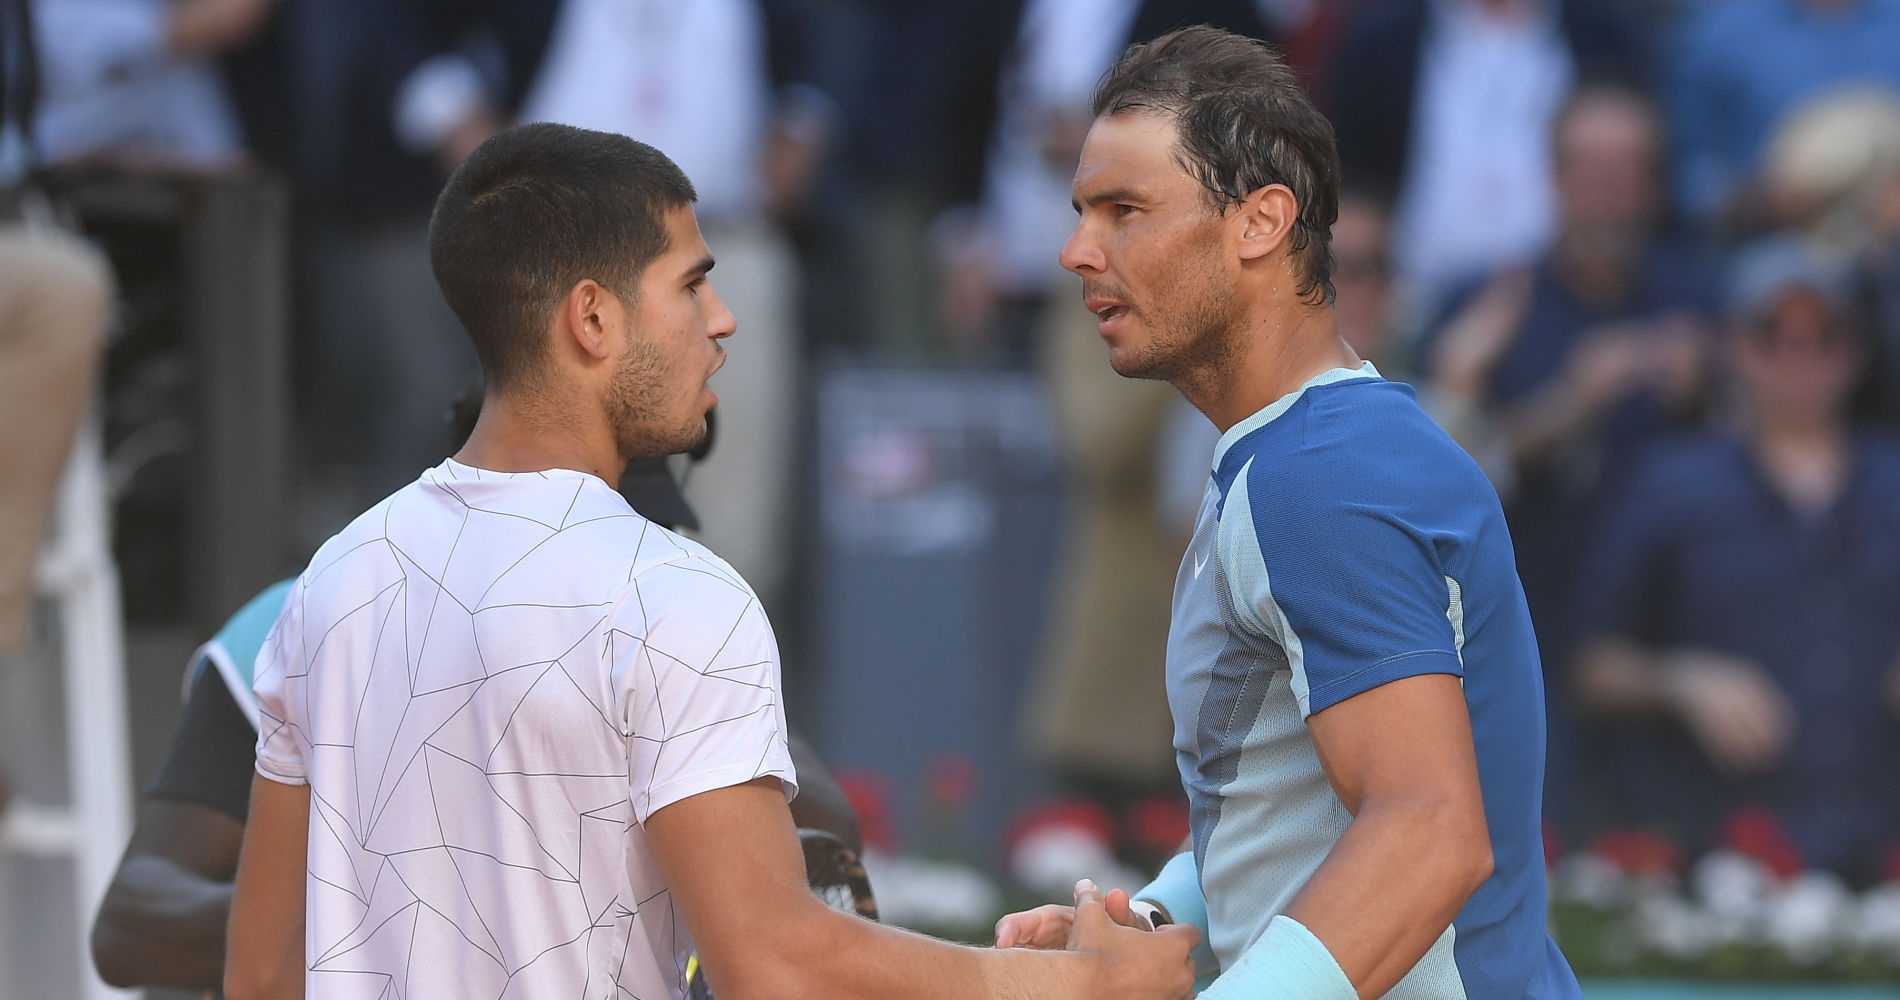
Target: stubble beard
[636, 406]
[1190, 345]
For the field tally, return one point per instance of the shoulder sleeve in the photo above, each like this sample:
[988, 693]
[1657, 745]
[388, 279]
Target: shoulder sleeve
[1352, 590]
[696, 674]
[277, 681]
[209, 761]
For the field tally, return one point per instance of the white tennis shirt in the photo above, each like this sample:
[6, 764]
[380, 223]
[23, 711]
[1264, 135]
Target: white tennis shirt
[489, 681]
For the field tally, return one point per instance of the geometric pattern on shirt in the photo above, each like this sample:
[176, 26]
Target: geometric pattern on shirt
[491, 681]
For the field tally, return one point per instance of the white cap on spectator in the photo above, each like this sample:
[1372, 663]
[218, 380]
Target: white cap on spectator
[1765, 273]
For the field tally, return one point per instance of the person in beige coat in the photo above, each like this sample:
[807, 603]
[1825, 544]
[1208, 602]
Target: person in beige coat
[1099, 711]
[54, 295]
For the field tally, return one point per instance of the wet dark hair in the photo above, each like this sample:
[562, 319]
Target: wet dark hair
[1245, 123]
[536, 209]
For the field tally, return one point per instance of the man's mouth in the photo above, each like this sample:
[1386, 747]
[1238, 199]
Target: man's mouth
[1106, 309]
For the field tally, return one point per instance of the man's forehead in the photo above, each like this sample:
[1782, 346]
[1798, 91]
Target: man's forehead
[682, 222]
[684, 240]
[1129, 149]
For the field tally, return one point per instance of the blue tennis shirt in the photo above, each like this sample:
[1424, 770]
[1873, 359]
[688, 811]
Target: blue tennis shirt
[233, 651]
[1345, 542]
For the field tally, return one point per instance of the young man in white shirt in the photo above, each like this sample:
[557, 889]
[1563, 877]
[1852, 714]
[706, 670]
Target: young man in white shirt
[517, 741]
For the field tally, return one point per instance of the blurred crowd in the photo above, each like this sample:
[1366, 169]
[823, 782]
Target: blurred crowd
[1642, 259]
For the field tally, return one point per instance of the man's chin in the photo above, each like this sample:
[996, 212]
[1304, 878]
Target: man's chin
[1134, 364]
[685, 440]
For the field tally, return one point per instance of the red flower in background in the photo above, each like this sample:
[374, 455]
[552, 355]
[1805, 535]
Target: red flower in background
[1890, 863]
[1157, 826]
[869, 792]
[1757, 833]
[1639, 852]
[951, 778]
[1076, 813]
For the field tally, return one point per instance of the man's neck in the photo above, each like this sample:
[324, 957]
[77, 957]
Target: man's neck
[1806, 462]
[1599, 268]
[514, 435]
[1280, 352]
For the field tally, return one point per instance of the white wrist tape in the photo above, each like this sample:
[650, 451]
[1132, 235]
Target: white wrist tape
[1287, 962]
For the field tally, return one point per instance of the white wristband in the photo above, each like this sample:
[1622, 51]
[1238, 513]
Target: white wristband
[1286, 963]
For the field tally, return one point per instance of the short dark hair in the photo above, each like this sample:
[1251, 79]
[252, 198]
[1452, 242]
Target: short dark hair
[1245, 123]
[1617, 89]
[534, 210]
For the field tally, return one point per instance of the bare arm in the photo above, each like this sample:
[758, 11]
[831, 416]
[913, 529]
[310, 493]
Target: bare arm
[1400, 757]
[266, 936]
[1663, 355]
[732, 861]
[821, 802]
[207, 27]
[1732, 706]
[163, 919]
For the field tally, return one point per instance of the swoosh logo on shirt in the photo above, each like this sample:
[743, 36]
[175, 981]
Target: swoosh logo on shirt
[1200, 564]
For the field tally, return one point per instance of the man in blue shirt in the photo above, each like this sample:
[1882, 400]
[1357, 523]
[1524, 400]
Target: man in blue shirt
[1357, 701]
[1568, 368]
[1741, 599]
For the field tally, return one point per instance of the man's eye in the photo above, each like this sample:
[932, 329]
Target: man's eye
[693, 289]
[1122, 211]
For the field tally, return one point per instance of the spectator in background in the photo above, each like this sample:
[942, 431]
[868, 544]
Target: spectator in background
[1736, 68]
[1831, 174]
[1827, 167]
[131, 82]
[1003, 273]
[1882, 261]
[55, 295]
[1362, 278]
[1099, 714]
[1556, 375]
[378, 349]
[1740, 602]
[1449, 103]
[918, 106]
[694, 80]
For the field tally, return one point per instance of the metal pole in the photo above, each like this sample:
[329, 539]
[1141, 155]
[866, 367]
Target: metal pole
[79, 573]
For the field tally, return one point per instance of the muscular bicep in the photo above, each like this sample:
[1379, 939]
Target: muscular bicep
[265, 944]
[732, 862]
[1408, 737]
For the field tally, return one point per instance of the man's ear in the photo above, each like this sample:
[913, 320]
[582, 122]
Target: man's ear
[591, 318]
[1266, 219]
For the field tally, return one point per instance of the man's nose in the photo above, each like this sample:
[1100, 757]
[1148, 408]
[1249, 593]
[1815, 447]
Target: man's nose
[720, 322]
[1080, 253]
